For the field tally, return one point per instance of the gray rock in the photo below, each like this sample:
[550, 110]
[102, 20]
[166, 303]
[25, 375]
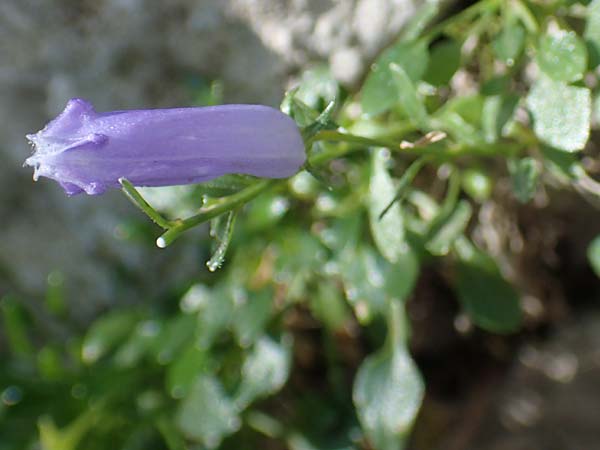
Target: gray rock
[551, 398]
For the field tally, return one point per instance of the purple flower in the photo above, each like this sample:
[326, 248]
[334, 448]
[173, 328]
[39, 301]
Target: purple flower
[86, 151]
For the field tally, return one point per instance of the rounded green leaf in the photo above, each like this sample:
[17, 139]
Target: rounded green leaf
[477, 184]
[106, 333]
[562, 56]
[489, 300]
[182, 373]
[207, 414]
[561, 114]
[387, 231]
[370, 282]
[388, 389]
[444, 61]
[445, 233]
[317, 87]
[380, 91]
[592, 32]
[265, 370]
[408, 98]
[498, 112]
[509, 43]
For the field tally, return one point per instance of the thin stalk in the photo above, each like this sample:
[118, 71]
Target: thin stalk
[397, 325]
[213, 210]
[136, 198]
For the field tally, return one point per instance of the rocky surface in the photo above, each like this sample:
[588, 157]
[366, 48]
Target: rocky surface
[136, 54]
[551, 398]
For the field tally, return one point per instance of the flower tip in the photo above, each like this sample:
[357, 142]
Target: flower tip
[79, 106]
[31, 138]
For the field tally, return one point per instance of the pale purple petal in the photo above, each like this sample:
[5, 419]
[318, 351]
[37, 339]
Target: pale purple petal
[86, 151]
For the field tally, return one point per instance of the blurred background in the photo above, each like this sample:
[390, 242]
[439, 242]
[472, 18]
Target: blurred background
[103, 335]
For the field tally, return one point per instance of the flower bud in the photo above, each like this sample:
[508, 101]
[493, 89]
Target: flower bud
[86, 151]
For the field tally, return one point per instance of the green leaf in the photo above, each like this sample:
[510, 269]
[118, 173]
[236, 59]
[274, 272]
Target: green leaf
[265, 211]
[15, 326]
[300, 255]
[69, 437]
[461, 117]
[175, 334]
[380, 91]
[215, 313]
[524, 173]
[408, 98]
[593, 253]
[387, 231]
[221, 230]
[496, 85]
[251, 316]
[426, 12]
[562, 165]
[184, 371]
[448, 205]
[207, 414]
[477, 184]
[400, 277]
[363, 273]
[302, 114]
[489, 300]
[173, 439]
[55, 295]
[49, 363]
[561, 114]
[317, 87]
[324, 121]
[522, 13]
[444, 61]
[592, 32]
[328, 305]
[404, 183]
[388, 391]
[508, 45]
[206, 92]
[497, 112]
[106, 333]
[265, 370]
[562, 56]
[137, 345]
[469, 107]
[442, 237]
[370, 281]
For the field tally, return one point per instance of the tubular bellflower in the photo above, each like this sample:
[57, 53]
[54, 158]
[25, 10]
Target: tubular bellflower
[86, 151]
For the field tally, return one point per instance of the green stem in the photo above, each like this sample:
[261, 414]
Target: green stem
[407, 178]
[466, 15]
[397, 325]
[418, 148]
[339, 136]
[213, 210]
[139, 201]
